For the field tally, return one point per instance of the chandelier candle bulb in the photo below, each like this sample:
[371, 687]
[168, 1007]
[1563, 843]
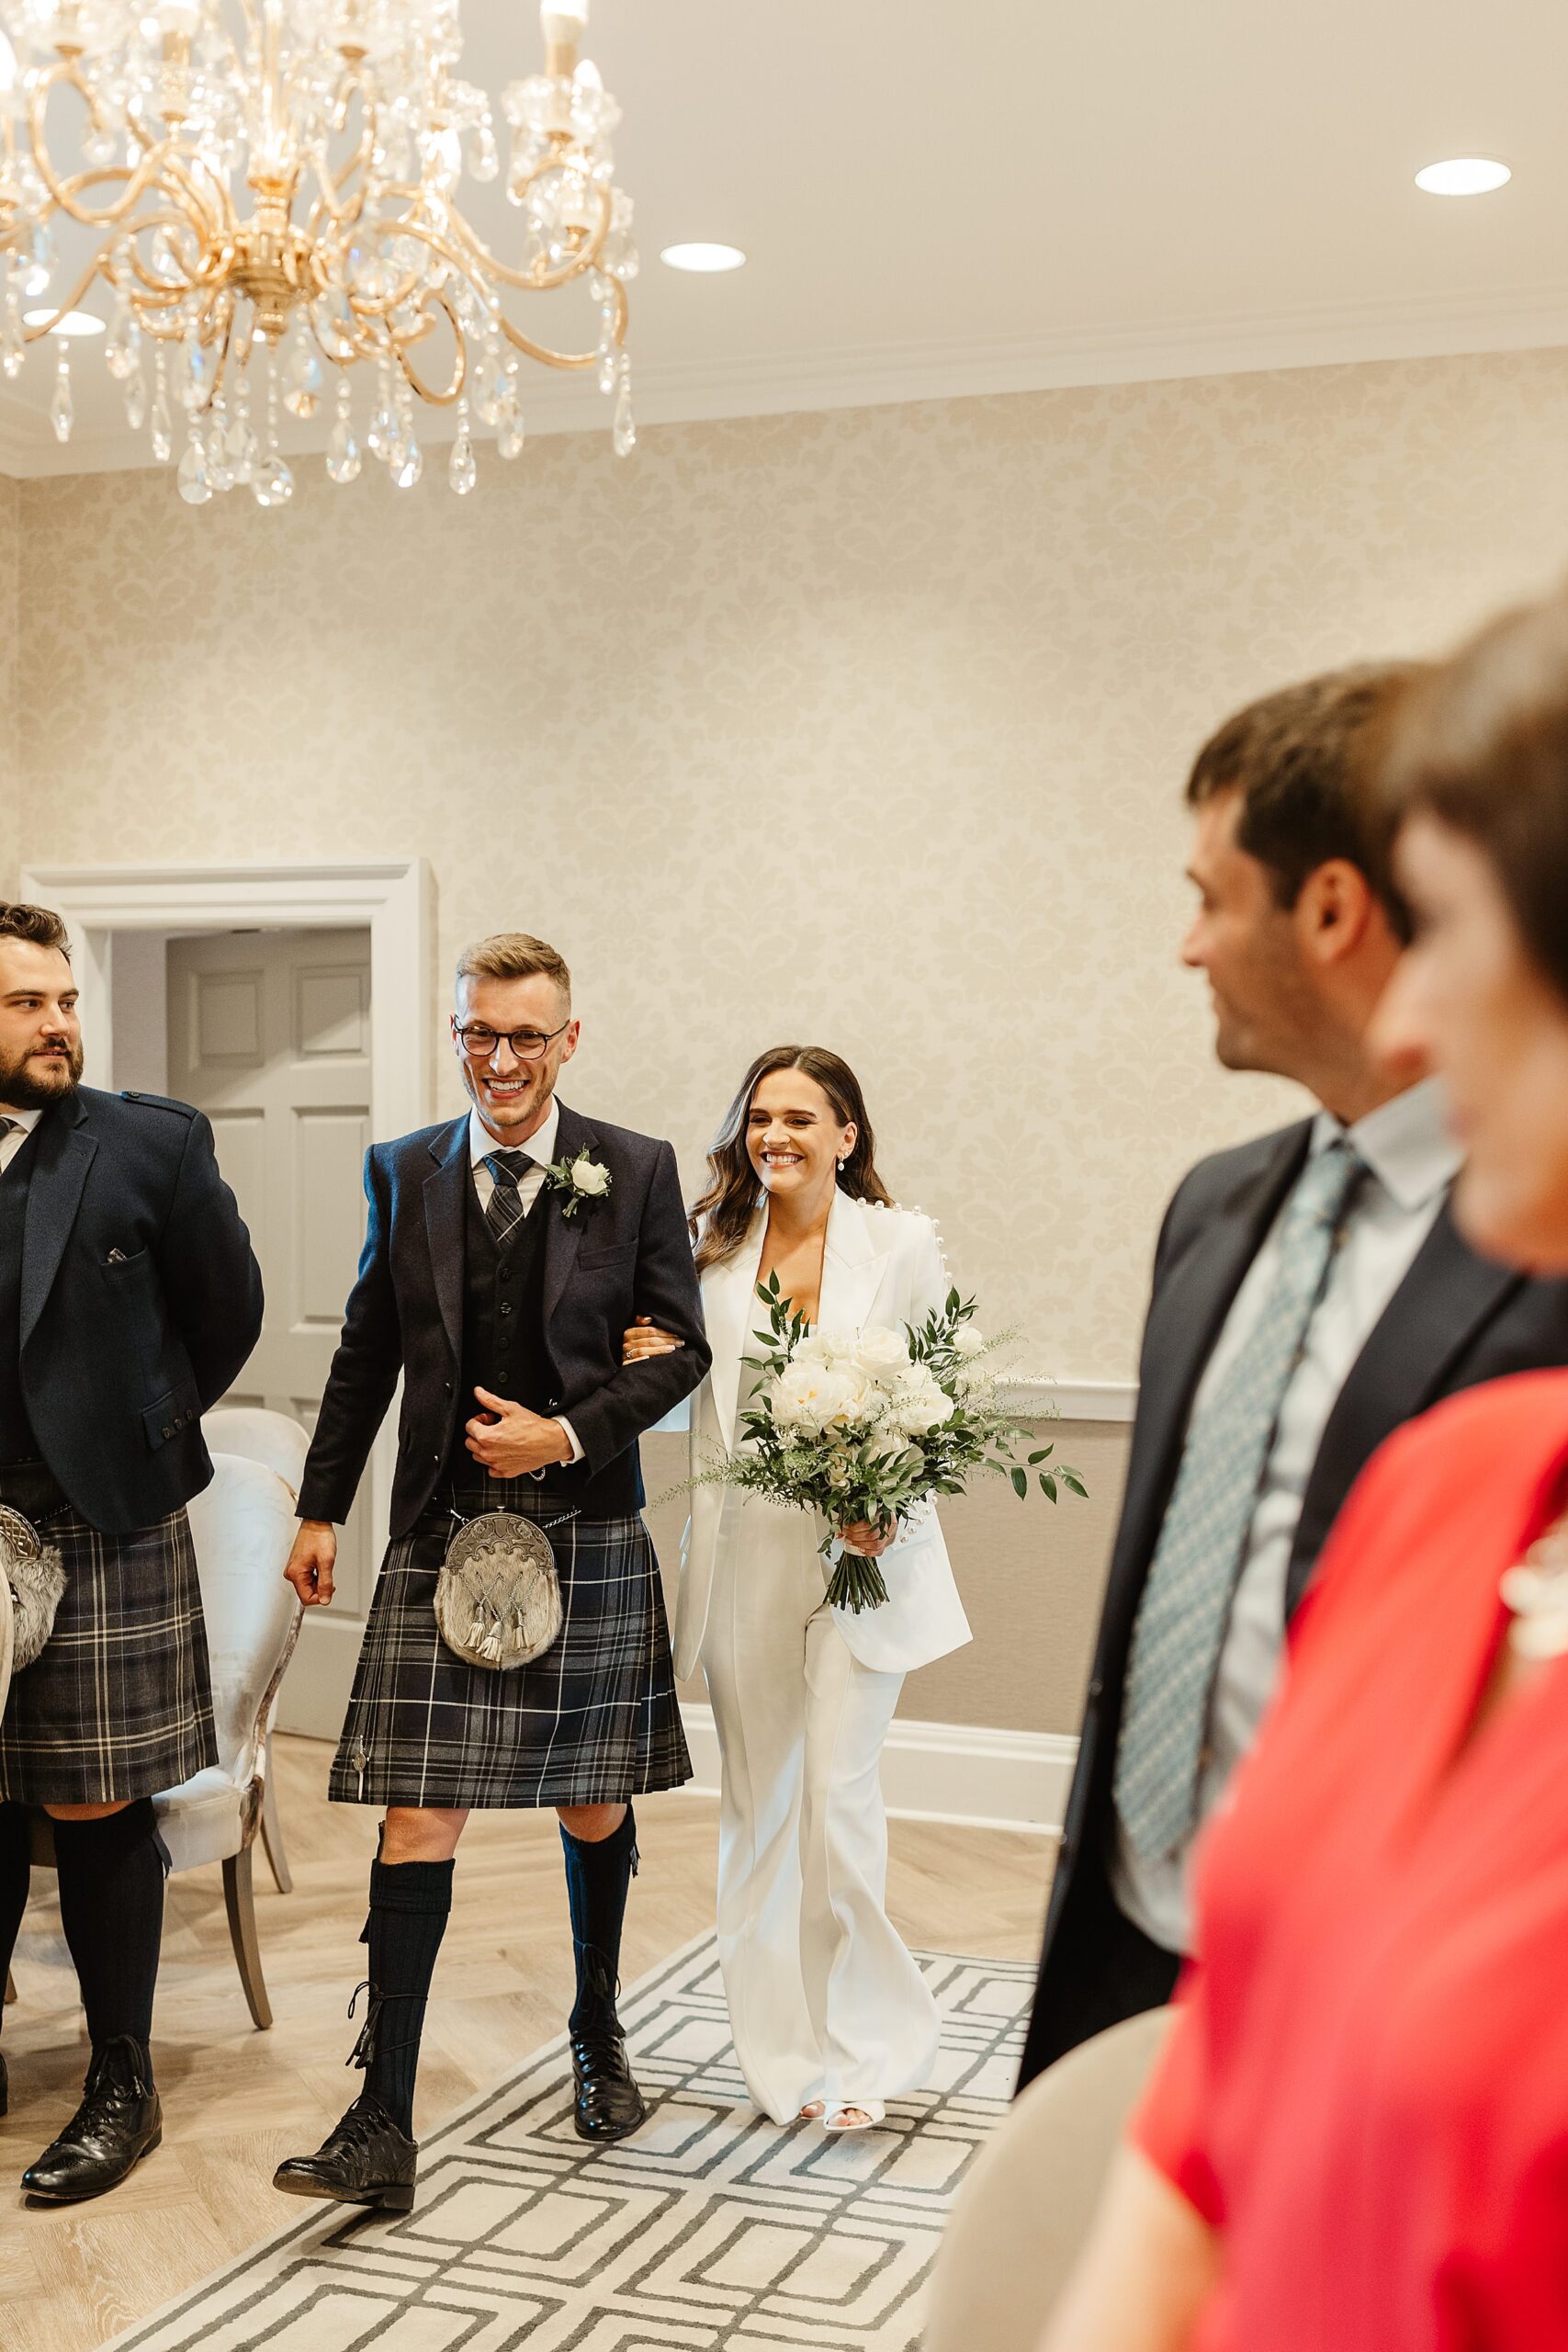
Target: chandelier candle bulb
[286, 176]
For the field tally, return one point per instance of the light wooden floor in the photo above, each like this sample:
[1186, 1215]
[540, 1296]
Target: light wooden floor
[236, 2101]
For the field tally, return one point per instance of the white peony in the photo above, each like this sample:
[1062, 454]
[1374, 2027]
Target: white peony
[807, 1396]
[967, 1341]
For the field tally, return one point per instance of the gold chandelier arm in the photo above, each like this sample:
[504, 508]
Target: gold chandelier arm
[31, 334]
[137, 178]
[539, 281]
[461, 359]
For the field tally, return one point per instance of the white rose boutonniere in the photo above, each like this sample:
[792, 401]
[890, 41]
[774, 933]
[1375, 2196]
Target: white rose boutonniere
[580, 1180]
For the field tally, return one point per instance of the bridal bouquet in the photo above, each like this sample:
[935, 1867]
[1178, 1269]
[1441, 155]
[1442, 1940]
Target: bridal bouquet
[870, 1426]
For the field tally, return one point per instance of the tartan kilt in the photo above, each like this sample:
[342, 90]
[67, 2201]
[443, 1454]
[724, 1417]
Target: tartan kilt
[119, 1703]
[593, 1720]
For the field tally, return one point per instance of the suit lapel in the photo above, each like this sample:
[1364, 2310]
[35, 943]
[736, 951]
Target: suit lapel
[563, 1233]
[732, 1313]
[63, 1152]
[1185, 1318]
[851, 1266]
[446, 1205]
[1432, 1319]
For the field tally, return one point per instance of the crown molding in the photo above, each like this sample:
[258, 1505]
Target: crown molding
[1403, 327]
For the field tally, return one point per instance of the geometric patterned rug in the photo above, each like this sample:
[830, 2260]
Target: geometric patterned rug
[713, 2228]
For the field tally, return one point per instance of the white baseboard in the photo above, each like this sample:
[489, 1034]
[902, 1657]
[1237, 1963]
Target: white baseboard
[960, 1772]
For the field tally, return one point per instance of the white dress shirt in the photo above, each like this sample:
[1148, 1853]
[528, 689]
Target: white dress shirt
[540, 1147]
[15, 1137]
[1411, 1162]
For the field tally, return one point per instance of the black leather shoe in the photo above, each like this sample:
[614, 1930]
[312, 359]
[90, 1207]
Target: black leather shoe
[363, 2160]
[608, 2103]
[118, 2123]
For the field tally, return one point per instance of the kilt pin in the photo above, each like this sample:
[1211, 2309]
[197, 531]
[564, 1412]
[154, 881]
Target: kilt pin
[531, 1306]
[130, 1300]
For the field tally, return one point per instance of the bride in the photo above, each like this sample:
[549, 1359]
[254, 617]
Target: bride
[830, 2013]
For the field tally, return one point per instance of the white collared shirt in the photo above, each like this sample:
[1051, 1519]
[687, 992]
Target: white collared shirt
[15, 1137]
[1412, 1161]
[540, 1147]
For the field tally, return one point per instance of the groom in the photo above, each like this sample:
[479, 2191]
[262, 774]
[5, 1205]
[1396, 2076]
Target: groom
[506, 1255]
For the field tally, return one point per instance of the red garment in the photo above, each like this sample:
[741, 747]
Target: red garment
[1368, 2090]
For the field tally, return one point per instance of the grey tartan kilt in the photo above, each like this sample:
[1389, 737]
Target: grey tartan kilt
[592, 1722]
[119, 1703]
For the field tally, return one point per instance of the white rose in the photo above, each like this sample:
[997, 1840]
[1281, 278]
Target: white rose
[814, 1349]
[591, 1176]
[918, 1409]
[883, 1356]
[968, 1341]
[837, 1347]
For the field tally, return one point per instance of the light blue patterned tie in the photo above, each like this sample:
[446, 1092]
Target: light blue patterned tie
[1180, 1623]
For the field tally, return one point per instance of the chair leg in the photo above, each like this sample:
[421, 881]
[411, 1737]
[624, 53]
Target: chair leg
[239, 1897]
[10, 1988]
[272, 1829]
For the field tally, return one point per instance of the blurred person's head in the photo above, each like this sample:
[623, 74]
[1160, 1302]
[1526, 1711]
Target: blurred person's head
[1299, 922]
[40, 1030]
[1477, 770]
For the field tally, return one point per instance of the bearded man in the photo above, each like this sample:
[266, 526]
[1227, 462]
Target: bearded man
[130, 1299]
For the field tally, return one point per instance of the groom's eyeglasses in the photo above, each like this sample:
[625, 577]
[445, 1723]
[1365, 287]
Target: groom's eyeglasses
[527, 1045]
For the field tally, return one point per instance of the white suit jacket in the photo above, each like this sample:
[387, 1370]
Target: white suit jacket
[879, 1267]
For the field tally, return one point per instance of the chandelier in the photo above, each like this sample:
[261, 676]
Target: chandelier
[270, 190]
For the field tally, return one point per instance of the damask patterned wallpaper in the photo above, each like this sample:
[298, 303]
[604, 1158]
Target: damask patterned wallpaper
[866, 728]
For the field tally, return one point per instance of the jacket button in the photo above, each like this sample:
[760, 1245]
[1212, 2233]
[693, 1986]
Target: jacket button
[168, 1430]
[1097, 1688]
[449, 1387]
[506, 1306]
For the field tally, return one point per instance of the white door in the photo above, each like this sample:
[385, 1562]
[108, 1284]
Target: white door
[270, 1034]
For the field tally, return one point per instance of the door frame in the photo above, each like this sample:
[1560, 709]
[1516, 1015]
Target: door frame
[393, 898]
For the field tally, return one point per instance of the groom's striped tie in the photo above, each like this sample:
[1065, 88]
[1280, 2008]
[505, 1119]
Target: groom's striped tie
[504, 1211]
[1181, 1625]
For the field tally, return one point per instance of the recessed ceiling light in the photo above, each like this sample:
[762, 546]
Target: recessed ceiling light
[708, 258]
[1463, 175]
[75, 326]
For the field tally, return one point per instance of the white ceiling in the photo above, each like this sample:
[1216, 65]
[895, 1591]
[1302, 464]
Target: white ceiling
[1002, 193]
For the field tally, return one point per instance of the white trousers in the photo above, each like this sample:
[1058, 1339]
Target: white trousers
[825, 2002]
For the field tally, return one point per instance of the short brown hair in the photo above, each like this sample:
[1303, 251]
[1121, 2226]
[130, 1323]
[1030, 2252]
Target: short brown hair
[513, 956]
[1482, 743]
[41, 925]
[1303, 761]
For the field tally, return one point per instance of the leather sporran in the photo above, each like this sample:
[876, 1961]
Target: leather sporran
[35, 1576]
[498, 1600]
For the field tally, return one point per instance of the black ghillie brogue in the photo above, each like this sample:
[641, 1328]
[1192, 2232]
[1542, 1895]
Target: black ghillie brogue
[363, 2160]
[118, 2123]
[608, 2104]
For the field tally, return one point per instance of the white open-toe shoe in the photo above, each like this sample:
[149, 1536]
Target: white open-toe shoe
[853, 2117]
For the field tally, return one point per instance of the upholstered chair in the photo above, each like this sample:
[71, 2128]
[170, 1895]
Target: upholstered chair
[282, 1443]
[1024, 2210]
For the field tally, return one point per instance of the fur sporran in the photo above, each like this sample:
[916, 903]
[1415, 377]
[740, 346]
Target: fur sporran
[35, 1576]
[498, 1600]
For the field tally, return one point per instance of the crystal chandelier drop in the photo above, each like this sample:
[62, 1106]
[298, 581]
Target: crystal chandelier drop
[268, 188]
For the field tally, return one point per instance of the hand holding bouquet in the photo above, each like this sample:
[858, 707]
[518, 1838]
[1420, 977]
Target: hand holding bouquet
[870, 1426]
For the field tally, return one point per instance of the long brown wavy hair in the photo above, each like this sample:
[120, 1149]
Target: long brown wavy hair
[722, 1218]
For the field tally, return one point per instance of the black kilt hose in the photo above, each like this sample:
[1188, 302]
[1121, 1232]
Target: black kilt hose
[595, 1721]
[117, 1704]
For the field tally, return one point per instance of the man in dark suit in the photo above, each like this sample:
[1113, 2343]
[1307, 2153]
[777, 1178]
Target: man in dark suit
[1311, 1293]
[130, 1300]
[507, 1253]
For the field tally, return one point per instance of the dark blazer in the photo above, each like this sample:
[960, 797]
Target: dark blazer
[120, 1355]
[1456, 1319]
[614, 1259]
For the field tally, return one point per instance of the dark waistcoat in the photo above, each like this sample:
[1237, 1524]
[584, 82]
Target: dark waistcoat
[503, 1323]
[17, 1442]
